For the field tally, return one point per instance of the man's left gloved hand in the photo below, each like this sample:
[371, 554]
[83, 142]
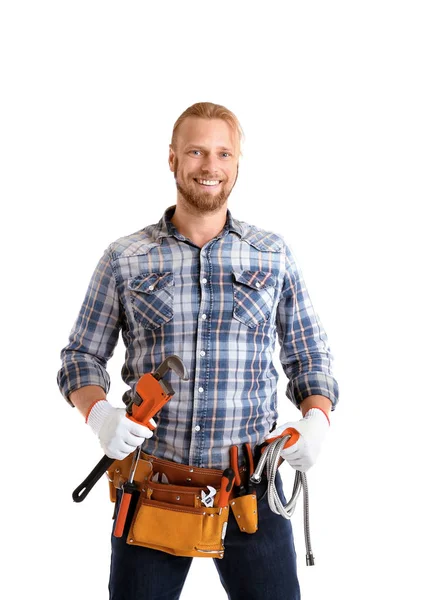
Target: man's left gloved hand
[302, 449]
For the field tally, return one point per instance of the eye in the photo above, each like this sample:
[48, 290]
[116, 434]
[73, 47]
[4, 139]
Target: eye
[227, 153]
[195, 151]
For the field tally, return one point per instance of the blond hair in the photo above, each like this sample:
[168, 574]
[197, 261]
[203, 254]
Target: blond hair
[209, 110]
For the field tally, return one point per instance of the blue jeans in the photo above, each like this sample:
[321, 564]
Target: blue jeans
[255, 566]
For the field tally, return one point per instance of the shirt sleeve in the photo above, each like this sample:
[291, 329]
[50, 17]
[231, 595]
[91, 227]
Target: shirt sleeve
[305, 355]
[94, 334]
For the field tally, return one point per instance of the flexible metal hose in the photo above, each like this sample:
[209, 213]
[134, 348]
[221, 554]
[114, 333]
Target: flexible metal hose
[271, 458]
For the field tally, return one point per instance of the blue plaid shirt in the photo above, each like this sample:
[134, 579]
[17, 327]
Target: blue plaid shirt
[220, 309]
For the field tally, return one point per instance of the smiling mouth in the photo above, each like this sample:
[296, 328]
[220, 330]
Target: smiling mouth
[208, 182]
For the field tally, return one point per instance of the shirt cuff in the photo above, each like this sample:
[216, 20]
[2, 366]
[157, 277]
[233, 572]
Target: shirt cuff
[310, 384]
[72, 379]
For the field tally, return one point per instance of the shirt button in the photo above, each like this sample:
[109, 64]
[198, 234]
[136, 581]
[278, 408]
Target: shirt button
[204, 280]
[151, 287]
[201, 389]
[202, 353]
[258, 284]
[204, 316]
[197, 428]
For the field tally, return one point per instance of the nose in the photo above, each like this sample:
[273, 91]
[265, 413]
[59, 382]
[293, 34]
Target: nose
[209, 165]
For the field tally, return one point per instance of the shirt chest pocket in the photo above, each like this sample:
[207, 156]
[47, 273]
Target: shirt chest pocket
[152, 298]
[253, 296]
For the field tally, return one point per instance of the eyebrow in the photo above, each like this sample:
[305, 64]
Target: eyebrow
[204, 148]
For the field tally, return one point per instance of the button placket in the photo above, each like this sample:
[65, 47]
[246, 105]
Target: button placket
[199, 410]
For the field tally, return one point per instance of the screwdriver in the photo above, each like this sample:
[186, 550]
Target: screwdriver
[227, 481]
[129, 488]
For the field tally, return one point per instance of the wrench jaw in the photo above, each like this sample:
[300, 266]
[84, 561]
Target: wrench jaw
[174, 363]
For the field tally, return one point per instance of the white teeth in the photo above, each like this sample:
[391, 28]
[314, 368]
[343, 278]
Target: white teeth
[207, 182]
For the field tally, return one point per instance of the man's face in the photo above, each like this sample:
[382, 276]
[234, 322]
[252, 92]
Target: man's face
[204, 163]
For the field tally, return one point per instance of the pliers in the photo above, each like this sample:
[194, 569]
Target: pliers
[250, 467]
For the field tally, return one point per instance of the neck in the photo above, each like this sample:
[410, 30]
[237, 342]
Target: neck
[200, 228]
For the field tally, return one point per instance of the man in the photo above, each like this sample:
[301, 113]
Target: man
[216, 292]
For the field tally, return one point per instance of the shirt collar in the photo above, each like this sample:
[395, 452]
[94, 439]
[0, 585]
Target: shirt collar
[165, 228]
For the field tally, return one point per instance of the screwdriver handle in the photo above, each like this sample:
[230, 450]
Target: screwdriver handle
[129, 489]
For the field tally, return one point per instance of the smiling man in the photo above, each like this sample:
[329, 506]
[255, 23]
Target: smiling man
[218, 293]
[204, 156]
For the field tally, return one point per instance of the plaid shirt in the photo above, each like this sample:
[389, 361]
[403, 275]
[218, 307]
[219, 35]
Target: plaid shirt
[219, 309]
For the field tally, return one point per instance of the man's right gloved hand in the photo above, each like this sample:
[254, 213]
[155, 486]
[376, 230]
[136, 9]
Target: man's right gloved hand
[118, 435]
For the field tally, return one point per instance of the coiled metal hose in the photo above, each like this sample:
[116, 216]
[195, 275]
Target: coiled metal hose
[271, 457]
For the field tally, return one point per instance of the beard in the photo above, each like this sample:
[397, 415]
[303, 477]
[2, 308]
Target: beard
[202, 201]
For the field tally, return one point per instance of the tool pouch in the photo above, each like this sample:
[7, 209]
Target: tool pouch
[245, 510]
[170, 518]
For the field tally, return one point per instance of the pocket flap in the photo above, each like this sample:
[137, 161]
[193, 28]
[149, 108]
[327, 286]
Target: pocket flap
[255, 279]
[149, 283]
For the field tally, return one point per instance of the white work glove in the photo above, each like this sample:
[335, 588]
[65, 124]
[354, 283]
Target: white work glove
[301, 451]
[118, 435]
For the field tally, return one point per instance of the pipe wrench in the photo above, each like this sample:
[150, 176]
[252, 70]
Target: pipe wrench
[151, 393]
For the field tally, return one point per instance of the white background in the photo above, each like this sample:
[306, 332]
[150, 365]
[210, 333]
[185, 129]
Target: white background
[330, 97]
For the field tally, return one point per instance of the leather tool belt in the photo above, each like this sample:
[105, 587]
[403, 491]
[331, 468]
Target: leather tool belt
[170, 515]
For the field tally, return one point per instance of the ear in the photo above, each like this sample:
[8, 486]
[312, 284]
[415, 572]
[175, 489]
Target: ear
[171, 158]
